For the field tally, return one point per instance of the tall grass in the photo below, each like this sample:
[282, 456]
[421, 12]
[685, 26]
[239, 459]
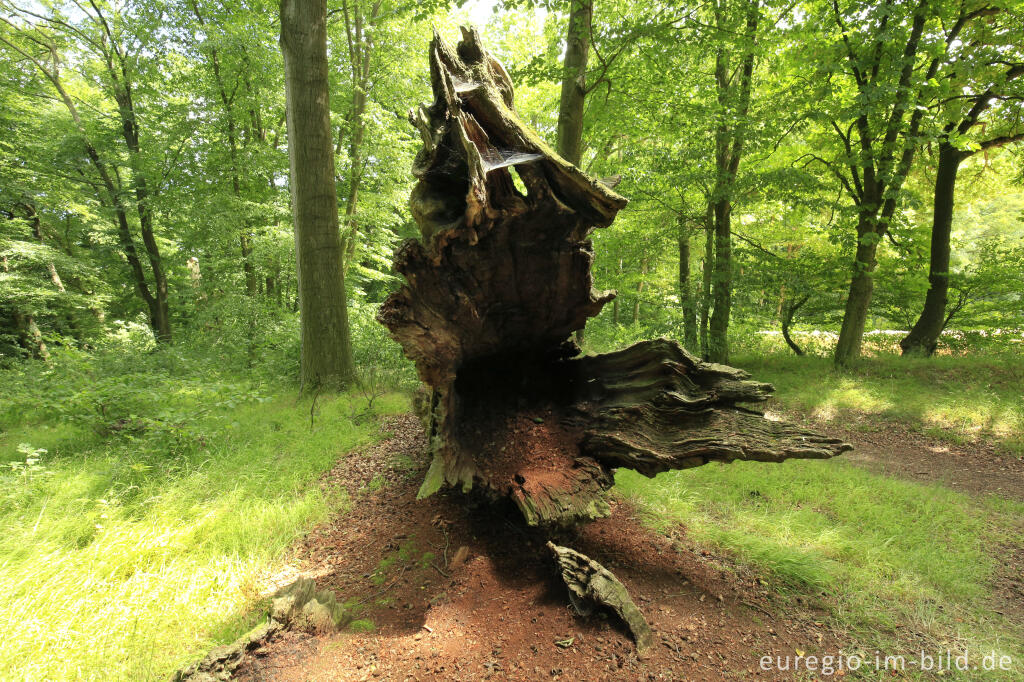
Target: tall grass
[958, 399]
[141, 536]
[898, 565]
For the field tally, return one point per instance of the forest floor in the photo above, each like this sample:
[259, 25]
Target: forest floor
[153, 500]
[445, 590]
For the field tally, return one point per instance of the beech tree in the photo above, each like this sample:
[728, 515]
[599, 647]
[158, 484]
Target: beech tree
[114, 51]
[979, 109]
[326, 343]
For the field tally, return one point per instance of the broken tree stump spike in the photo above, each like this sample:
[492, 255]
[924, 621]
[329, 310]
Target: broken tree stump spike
[494, 289]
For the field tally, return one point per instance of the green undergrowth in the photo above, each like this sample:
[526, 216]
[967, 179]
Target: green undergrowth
[957, 399]
[897, 565]
[143, 501]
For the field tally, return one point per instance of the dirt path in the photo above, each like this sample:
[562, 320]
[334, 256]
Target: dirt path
[891, 448]
[458, 592]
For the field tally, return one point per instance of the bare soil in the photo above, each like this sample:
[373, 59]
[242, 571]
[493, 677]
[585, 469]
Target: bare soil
[459, 590]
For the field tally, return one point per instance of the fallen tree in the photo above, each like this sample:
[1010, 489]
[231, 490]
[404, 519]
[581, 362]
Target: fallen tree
[494, 288]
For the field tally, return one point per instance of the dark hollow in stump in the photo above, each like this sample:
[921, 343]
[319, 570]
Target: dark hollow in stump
[495, 287]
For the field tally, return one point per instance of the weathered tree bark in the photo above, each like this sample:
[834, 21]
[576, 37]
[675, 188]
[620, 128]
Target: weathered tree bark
[591, 583]
[326, 343]
[494, 289]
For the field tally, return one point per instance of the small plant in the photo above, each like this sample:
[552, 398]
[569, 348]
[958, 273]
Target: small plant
[31, 465]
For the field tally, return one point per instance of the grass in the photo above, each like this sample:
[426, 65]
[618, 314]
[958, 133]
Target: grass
[902, 566]
[898, 565]
[139, 539]
[957, 399]
[146, 496]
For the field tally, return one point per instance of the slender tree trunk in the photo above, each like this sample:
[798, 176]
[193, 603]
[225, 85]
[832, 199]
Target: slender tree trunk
[574, 85]
[858, 300]
[718, 336]
[569, 142]
[326, 343]
[686, 297]
[730, 137]
[162, 322]
[924, 336]
[124, 234]
[639, 290]
[244, 244]
[789, 309]
[130, 133]
[359, 47]
[707, 271]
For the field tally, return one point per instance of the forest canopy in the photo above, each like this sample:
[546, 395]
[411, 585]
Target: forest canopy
[791, 167]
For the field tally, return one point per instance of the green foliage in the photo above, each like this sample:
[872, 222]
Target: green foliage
[146, 504]
[149, 487]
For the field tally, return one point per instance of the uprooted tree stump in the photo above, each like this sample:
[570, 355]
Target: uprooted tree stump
[495, 287]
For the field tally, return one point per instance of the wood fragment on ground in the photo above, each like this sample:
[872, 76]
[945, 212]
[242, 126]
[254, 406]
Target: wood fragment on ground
[590, 582]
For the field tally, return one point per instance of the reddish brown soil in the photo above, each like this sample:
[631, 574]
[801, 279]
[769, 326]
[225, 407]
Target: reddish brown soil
[461, 591]
[531, 444]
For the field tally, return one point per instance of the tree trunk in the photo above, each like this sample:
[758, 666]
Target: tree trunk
[495, 287]
[574, 83]
[718, 336]
[924, 336]
[162, 320]
[161, 317]
[858, 300]
[569, 141]
[707, 272]
[326, 344]
[686, 298]
[248, 267]
[730, 138]
[359, 61]
[639, 290]
[788, 313]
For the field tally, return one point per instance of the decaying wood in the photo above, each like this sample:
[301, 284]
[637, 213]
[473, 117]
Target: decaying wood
[591, 583]
[496, 285]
